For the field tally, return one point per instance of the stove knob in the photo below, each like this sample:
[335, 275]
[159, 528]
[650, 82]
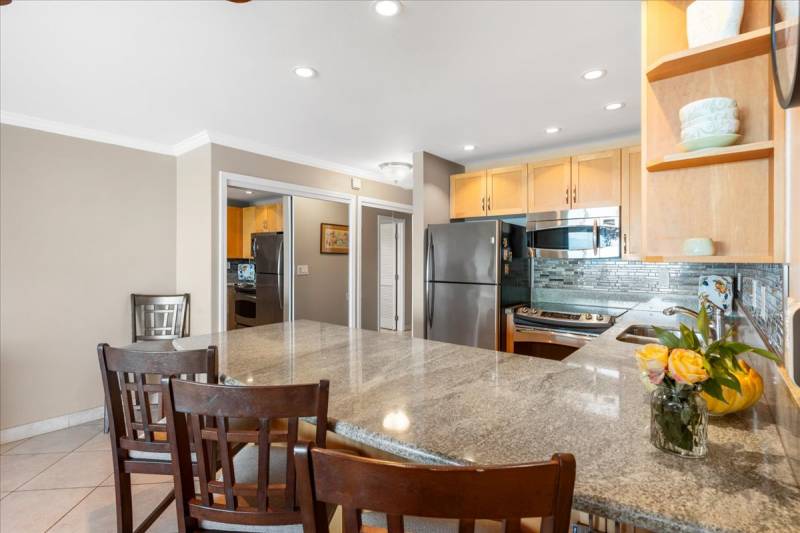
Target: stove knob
[598, 317]
[586, 316]
[524, 310]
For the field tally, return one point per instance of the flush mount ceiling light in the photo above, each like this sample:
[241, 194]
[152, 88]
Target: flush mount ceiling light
[248, 192]
[305, 72]
[594, 74]
[395, 170]
[613, 106]
[469, 147]
[387, 8]
[552, 129]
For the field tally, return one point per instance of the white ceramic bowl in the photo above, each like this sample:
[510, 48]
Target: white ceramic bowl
[731, 113]
[709, 127]
[699, 108]
[698, 246]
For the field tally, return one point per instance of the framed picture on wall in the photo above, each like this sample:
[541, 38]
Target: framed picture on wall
[334, 239]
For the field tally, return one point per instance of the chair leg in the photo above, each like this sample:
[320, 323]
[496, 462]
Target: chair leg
[158, 511]
[122, 488]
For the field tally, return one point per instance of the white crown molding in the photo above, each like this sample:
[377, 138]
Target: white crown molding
[51, 126]
[201, 138]
[197, 140]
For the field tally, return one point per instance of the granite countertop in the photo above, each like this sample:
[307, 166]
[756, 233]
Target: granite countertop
[434, 402]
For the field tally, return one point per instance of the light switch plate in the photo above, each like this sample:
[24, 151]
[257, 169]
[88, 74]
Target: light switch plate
[355, 183]
[302, 270]
[663, 279]
[763, 302]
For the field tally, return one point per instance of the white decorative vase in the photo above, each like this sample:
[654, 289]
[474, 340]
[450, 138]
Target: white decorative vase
[708, 21]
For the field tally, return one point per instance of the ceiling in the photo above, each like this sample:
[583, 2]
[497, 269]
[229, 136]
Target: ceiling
[239, 195]
[439, 75]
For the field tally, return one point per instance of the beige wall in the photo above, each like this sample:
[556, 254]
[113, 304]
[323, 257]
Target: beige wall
[82, 225]
[194, 243]
[322, 294]
[431, 206]
[370, 265]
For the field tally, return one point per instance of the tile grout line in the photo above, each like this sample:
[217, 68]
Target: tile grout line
[60, 518]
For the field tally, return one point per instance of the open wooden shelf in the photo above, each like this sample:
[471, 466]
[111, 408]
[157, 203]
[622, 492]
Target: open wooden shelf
[707, 259]
[714, 156]
[744, 46]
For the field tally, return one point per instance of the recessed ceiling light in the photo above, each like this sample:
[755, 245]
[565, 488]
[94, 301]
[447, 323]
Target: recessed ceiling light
[395, 170]
[469, 147]
[387, 8]
[248, 192]
[552, 129]
[613, 106]
[594, 74]
[305, 72]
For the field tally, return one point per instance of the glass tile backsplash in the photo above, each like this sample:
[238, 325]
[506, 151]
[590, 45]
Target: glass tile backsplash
[615, 276]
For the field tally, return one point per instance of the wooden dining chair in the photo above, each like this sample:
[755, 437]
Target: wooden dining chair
[474, 496]
[256, 489]
[159, 317]
[139, 442]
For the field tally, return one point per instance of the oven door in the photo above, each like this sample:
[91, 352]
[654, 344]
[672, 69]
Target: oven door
[576, 238]
[246, 307]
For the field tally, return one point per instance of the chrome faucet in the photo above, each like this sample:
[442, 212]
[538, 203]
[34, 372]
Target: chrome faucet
[718, 316]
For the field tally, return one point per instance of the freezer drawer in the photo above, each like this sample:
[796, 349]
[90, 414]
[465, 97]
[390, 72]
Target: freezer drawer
[465, 314]
[464, 252]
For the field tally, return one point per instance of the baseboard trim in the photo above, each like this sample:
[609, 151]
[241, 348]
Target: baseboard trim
[51, 424]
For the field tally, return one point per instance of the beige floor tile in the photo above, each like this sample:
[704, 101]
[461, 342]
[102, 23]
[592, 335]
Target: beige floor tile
[35, 511]
[8, 446]
[140, 479]
[97, 513]
[78, 469]
[61, 441]
[99, 443]
[18, 469]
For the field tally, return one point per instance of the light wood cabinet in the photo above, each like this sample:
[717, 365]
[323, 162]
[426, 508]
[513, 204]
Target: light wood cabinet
[234, 241]
[549, 185]
[506, 190]
[259, 219]
[631, 202]
[596, 179]
[468, 195]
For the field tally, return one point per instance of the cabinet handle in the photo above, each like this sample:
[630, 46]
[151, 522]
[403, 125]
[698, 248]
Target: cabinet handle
[483, 204]
[574, 195]
[489, 204]
[566, 196]
[625, 243]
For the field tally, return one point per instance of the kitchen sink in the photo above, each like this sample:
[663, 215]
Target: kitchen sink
[640, 334]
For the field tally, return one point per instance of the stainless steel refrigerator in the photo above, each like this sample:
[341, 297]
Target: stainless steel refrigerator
[267, 250]
[473, 271]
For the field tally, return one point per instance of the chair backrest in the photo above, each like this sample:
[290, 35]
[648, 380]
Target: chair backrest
[507, 493]
[205, 411]
[129, 395]
[159, 317]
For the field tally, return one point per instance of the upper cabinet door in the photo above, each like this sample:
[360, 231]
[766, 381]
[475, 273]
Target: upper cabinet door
[506, 190]
[596, 179]
[631, 202]
[549, 186]
[468, 195]
[234, 240]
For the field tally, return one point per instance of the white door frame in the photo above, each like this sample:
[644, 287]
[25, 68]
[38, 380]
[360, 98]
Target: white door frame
[289, 189]
[366, 201]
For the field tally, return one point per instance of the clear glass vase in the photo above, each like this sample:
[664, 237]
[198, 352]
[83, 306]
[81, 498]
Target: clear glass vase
[679, 421]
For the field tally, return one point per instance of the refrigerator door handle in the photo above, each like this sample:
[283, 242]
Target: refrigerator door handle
[595, 236]
[279, 260]
[279, 286]
[253, 247]
[431, 288]
[430, 266]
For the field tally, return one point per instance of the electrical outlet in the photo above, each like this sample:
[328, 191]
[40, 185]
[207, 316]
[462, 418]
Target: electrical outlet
[763, 302]
[663, 279]
[302, 270]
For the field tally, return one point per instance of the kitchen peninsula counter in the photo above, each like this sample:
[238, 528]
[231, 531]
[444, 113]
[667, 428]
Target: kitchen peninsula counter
[434, 402]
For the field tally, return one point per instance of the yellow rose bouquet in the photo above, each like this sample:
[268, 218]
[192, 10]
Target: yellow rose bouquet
[683, 368]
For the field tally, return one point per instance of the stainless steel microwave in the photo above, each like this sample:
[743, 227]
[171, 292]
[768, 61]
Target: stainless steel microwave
[575, 233]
